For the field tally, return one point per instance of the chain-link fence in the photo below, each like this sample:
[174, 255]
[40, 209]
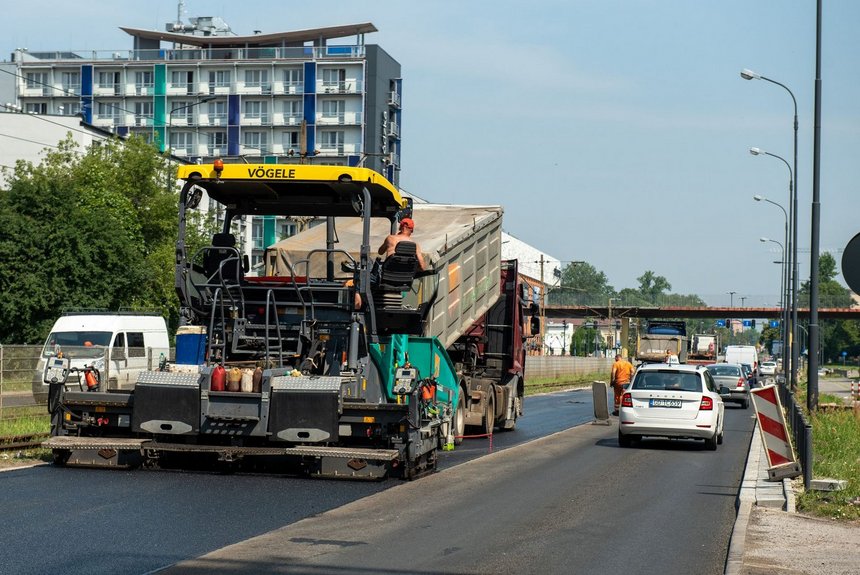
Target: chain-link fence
[18, 365]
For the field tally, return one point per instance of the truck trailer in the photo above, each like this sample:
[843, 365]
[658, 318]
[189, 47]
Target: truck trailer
[662, 337]
[337, 363]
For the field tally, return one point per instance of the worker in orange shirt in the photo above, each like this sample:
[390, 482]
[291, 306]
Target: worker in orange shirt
[622, 373]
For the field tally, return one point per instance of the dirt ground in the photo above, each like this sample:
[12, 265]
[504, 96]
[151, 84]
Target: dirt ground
[780, 543]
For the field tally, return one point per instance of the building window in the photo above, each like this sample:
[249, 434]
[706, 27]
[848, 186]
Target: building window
[219, 79]
[257, 110]
[294, 80]
[182, 110]
[37, 80]
[257, 233]
[182, 80]
[293, 112]
[69, 109]
[333, 111]
[257, 142]
[217, 143]
[143, 83]
[109, 81]
[181, 142]
[143, 113]
[331, 141]
[71, 82]
[256, 78]
[108, 111]
[286, 230]
[290, 141]
[36, 107]
[217, 113]
[334, 79]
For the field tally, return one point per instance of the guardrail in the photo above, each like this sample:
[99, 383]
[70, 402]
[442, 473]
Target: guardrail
[800, 429]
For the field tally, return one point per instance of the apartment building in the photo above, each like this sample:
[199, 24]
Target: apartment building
[199, 91]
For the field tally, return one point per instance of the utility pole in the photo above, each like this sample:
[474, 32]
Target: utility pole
[542, 309]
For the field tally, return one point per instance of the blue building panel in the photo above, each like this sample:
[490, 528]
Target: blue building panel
[233, 119]
[87, 92]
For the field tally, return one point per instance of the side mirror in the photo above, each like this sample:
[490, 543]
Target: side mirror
[535, 324]
[246, 263]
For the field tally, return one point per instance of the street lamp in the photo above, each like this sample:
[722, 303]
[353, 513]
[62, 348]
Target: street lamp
[185, 107]
[732, 298]
[785, 281]
[750, 75]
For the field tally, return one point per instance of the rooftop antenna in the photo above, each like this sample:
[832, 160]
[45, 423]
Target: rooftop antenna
[180, 9]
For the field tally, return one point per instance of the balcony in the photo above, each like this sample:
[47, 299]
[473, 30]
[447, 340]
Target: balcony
[393, 130]
[256, 120]
[70, 90]
[142, 90]
[217, 120]
[394, 99]
[252, 88]
[344, 87]
[292, 119]
[340, 119]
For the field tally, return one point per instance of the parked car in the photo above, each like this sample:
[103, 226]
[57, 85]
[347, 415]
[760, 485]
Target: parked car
[731, 376]
[672, 400]
[768, 368]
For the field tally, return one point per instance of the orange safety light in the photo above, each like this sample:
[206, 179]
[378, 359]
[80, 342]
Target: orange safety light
[218, 165]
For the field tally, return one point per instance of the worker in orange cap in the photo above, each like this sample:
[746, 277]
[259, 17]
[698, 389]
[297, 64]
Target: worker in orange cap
[407, 226]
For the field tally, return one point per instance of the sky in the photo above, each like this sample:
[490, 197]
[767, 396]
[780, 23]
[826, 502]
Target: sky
[611, 131]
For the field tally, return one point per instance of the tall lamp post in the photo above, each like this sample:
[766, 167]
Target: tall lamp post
[785, 285]
[750, 75]
[782, 291]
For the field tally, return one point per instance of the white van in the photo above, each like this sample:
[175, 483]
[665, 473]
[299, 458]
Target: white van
[119, 345]
[743, 354]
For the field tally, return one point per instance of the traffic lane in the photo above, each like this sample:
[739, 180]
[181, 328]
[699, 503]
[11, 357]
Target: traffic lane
[574, 502]
[114, 521]
[544, 415]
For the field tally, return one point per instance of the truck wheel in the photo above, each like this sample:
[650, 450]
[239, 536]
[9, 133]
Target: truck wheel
[490, 414]
[511, 424]
[60, 457]
[460, 418]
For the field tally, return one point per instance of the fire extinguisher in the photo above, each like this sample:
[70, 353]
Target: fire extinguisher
[91, 377]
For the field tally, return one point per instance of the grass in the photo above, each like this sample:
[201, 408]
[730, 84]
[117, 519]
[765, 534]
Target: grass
[24, 421]
[836, 454]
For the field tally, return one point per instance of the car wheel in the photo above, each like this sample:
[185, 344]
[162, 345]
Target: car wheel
[720, 438]
[745, 404]
[711, 443]
[624, 440]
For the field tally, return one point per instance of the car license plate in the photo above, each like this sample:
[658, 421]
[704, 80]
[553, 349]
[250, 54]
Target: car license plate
[657, 402]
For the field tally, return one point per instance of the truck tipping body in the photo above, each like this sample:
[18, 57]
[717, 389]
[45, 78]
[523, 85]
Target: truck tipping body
[293, 367]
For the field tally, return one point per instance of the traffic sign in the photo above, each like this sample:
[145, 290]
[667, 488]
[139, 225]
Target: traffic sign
[844, 353]
[721, 323]
[774, 323]
[747, 323]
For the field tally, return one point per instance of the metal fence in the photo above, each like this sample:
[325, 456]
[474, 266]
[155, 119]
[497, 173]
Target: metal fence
[800, 428]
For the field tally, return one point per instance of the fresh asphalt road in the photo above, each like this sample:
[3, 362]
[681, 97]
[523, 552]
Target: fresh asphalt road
[574, 502]
[78, 521]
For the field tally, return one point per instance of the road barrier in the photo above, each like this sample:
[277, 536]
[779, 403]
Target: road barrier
[782, 462]
[801, 430]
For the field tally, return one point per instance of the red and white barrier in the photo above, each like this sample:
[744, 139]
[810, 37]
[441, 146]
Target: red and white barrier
[774, 433]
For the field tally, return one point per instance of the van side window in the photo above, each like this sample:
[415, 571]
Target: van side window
[119, 342]
[135, 344]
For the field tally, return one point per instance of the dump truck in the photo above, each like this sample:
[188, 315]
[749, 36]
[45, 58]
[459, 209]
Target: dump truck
[703, 348]
[661, 338]
[334, 362]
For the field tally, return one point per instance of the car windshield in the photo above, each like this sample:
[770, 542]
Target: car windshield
[668, 381]
[724, 370]
[77, 344]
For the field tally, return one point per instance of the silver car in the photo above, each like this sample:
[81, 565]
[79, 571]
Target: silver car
[732, 376]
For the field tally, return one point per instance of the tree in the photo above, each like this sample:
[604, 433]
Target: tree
[583, 280]
[90, 229]
[652, 286]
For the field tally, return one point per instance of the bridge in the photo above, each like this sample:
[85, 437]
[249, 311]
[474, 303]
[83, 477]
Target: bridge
[555, 311]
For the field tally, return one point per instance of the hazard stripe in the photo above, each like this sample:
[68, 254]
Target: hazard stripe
[772, 427]
[767, 409]
[767, 393]
[777, 458]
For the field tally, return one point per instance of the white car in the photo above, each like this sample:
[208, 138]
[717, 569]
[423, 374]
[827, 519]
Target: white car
[767, 368]
[678, 401]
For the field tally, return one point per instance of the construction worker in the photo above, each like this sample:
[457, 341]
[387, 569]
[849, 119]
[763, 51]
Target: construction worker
[622, 373]
[407, 226]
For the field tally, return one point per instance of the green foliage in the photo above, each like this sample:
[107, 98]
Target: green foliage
[90, 229]
[585, 278]
[836, 447]
[652, 287]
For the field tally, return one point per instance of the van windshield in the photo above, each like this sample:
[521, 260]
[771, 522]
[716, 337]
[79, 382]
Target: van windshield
[77, 344]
